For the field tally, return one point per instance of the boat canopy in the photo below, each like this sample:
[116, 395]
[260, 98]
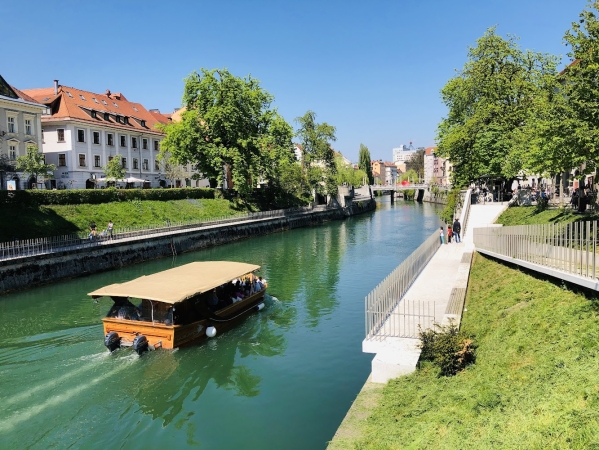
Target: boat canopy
[178, 284]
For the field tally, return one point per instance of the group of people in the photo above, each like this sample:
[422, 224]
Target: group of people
[235, 291]
[453, 232]
[93, 230]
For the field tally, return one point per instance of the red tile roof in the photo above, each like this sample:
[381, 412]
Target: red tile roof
[76, 104]
[23, 95]
[429, 150]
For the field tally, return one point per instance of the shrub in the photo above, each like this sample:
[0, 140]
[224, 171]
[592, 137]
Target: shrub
[453, 202]
[97, 196]
[446, 348]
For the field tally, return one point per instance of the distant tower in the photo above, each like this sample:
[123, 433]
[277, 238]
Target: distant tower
[410, 147]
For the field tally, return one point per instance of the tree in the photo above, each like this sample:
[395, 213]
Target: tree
[347, 174]
[416, 163]
[317, 152]
[34, 163]
[114, 169]
[228, 122]
[565, 133]
[172, 169]
[489, 101]
[364, 163]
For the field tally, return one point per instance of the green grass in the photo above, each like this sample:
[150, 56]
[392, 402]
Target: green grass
[528, 215]
[535, 383]
[53, 220]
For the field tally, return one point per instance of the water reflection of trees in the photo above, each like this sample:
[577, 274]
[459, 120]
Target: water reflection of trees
[169, 379]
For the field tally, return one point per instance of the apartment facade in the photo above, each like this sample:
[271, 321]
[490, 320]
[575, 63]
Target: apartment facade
[20, 127]
[84, 130]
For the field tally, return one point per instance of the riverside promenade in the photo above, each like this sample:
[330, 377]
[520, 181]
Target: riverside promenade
[447, 271]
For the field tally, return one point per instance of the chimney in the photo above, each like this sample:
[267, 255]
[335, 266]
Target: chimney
[108, 93]
[55, 87]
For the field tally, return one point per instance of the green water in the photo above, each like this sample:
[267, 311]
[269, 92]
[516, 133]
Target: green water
[283, 379]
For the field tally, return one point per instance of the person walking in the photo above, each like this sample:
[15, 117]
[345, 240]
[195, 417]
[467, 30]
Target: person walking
[92, 230]
[109, 228]
[457, 228]
[449, 233]
[441, 235]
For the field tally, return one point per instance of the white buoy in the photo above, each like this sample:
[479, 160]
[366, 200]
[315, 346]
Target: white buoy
[260, 306]
[210, 332]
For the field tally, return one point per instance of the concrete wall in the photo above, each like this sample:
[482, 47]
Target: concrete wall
[43, 269]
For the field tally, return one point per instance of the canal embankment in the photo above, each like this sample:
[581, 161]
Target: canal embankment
[78, 260]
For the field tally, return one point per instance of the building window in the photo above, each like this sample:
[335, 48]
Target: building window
[110, 158]
[80, 135]
[96, 160]
[135, 166]
[82, 97]
[156, 145]
[69, 94]
[96, 137]
[60, 133]
[123, 141]
[81, 159]
[146, 165]
[124, 162]
[110, 139]
[12, 126]
[104, 101]
[62, 160]
[126, 120]
[144, 144]
[156, 166]
[12, 152]
[28, 127]
[118, 119]
[94, 99]
[133, 142]
[94, 116]
[143, 123]
[106, 116]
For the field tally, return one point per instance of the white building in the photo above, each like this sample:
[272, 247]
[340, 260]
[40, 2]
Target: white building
[403, 153]
[390, 174]
[20, 127]
[85, 130]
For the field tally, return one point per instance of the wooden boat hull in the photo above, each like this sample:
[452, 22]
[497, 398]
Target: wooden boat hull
[173, 336]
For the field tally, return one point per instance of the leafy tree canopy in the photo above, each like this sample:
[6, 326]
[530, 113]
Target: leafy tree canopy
[34, 163]
[317, 152]
[364, 163]
[114, 169]
[228, 122]
[416, 163]
[488, 102]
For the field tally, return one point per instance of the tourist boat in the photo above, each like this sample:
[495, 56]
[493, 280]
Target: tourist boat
[176, 307]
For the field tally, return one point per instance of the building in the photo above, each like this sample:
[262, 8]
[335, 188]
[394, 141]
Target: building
[84, 130]
[20, 127]
[403, 153]
[429, 158]
[389, 174]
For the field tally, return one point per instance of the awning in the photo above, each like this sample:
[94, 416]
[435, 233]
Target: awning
[122, 180]
[178, 284]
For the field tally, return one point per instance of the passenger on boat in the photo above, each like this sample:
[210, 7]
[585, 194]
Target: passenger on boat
[213, 300]
[263, 282]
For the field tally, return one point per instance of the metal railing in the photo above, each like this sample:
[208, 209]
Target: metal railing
[568, 247]
[31, 247]
[465, 212]
[386, 313]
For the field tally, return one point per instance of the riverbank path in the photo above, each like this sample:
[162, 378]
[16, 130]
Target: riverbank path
[449, 268]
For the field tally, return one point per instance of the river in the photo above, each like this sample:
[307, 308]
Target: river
[283, 379]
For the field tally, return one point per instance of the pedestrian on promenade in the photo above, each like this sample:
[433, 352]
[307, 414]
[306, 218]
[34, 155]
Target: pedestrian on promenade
[92, 230]
[442, 235]
[109, 228]
[449, 233]
[457, 229]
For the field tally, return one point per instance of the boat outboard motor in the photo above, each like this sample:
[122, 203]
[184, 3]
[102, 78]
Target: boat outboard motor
[140, 344]
[112, 341]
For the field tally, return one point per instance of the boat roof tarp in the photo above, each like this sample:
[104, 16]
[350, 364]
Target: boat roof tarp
[178, 284]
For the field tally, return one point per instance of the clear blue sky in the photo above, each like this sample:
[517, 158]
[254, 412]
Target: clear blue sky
[373, 69]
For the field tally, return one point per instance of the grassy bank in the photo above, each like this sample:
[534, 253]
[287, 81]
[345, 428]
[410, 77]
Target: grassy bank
[25, 222]
[535, 383]
[528, 215]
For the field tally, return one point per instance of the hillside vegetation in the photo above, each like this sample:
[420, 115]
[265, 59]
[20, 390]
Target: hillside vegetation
[535, 383]
[27, 222]
[528, 215]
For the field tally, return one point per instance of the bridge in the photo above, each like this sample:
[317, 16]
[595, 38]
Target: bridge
[400, 187]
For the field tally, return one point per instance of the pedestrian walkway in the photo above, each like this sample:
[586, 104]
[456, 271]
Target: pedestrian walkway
[447, 269]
